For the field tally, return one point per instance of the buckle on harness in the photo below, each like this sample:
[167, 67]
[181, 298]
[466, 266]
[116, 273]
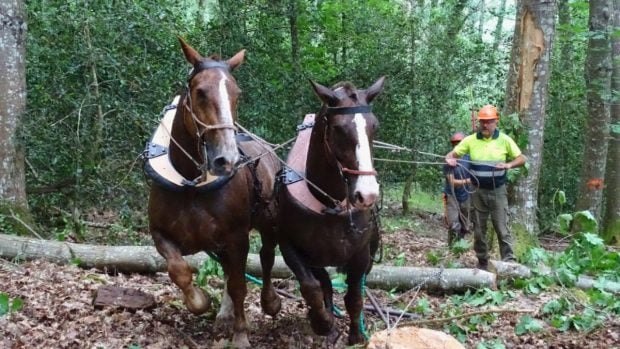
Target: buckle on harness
[154, 150]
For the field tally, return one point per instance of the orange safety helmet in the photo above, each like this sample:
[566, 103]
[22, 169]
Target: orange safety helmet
[457, 137]
[488, 112]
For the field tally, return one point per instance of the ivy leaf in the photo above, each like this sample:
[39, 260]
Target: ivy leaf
[564, 222]
[17, 304]
[423, 306]
[4, 303]
[592, 238]
[561, 322]
[586, 221]
[527, 324]
[560, 197]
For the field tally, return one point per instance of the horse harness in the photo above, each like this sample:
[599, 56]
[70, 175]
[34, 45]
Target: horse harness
[291, 175]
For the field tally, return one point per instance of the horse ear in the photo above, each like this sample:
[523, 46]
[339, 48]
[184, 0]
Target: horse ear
[375, 89]
[325, 94]
[235, 60]
[192, 56]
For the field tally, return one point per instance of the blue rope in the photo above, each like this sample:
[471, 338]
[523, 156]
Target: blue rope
[247, 276]
[337, 311]
[362, 326]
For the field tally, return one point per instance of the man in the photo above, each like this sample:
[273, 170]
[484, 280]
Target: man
[456, 195]
[492, 153]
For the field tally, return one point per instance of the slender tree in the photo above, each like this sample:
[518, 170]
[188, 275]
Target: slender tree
[611, 220]
[497, 35]
[12, 103]
[598, 73]
[526, 94]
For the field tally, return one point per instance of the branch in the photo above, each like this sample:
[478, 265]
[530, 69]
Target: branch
[466, 315]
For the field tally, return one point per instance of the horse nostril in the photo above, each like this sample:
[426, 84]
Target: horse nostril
[359, 198]
[222, 165]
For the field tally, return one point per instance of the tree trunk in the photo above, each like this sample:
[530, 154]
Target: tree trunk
[481, 18]
[510, 271]
[564, 19]
[497, 35]
[145, 259]
[12, 105]
[611, 221]
[526, 94]
[598, 72]
[297, 78]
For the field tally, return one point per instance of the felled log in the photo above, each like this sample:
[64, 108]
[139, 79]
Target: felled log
[145, 259]
[510, 271]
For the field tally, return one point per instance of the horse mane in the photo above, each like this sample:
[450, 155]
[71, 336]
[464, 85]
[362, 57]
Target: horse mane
[347, 85]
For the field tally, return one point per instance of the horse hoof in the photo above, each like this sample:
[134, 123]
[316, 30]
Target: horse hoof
[270, 303]
[322, 323]
[240, 341]
[224, 320]
[356, 338]
[197, 301]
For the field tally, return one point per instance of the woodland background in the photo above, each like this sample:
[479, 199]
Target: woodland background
[84, 83]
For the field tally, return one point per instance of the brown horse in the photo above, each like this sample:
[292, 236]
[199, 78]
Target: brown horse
[224, 191]
[329, 218]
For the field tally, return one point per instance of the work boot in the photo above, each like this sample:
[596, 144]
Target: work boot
[483, 264]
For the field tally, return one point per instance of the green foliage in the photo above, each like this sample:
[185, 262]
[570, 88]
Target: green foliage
[482, 297]
[14, 218]
[108, 88]
[527, 324]
[460, 247]
[209, 267]
[565, 115]
[8, 304]
[423, 307]
[433, 257]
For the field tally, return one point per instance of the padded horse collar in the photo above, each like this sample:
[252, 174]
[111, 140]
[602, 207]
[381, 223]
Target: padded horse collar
[158, 166]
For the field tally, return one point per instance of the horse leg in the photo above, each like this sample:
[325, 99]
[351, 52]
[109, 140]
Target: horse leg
[326, 286]
[269, 299]
[235, 291]
[356, 269]
[180, 273]
[321, 320]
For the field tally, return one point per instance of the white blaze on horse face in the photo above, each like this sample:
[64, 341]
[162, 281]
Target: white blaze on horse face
[366, 185]
[227, 118]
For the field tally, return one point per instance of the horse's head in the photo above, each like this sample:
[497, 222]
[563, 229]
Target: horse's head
[350, 129]
[211, 108]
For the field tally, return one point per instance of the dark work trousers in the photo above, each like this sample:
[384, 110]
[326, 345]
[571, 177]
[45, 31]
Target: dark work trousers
[493, 202]
[458, 217]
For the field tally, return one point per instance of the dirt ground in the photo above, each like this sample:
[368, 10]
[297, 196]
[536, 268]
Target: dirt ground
[58, 309]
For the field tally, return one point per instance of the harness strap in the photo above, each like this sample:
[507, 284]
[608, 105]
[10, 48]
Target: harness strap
[364, 109]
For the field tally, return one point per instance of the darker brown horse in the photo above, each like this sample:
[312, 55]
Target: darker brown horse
[224, 189]
[329, 219]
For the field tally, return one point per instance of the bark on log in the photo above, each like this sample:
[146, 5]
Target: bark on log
[145, 259]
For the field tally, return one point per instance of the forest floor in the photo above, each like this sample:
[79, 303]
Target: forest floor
[58, 309]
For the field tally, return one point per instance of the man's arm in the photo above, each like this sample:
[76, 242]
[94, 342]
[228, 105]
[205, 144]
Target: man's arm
[516, 162]
[455, 183]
